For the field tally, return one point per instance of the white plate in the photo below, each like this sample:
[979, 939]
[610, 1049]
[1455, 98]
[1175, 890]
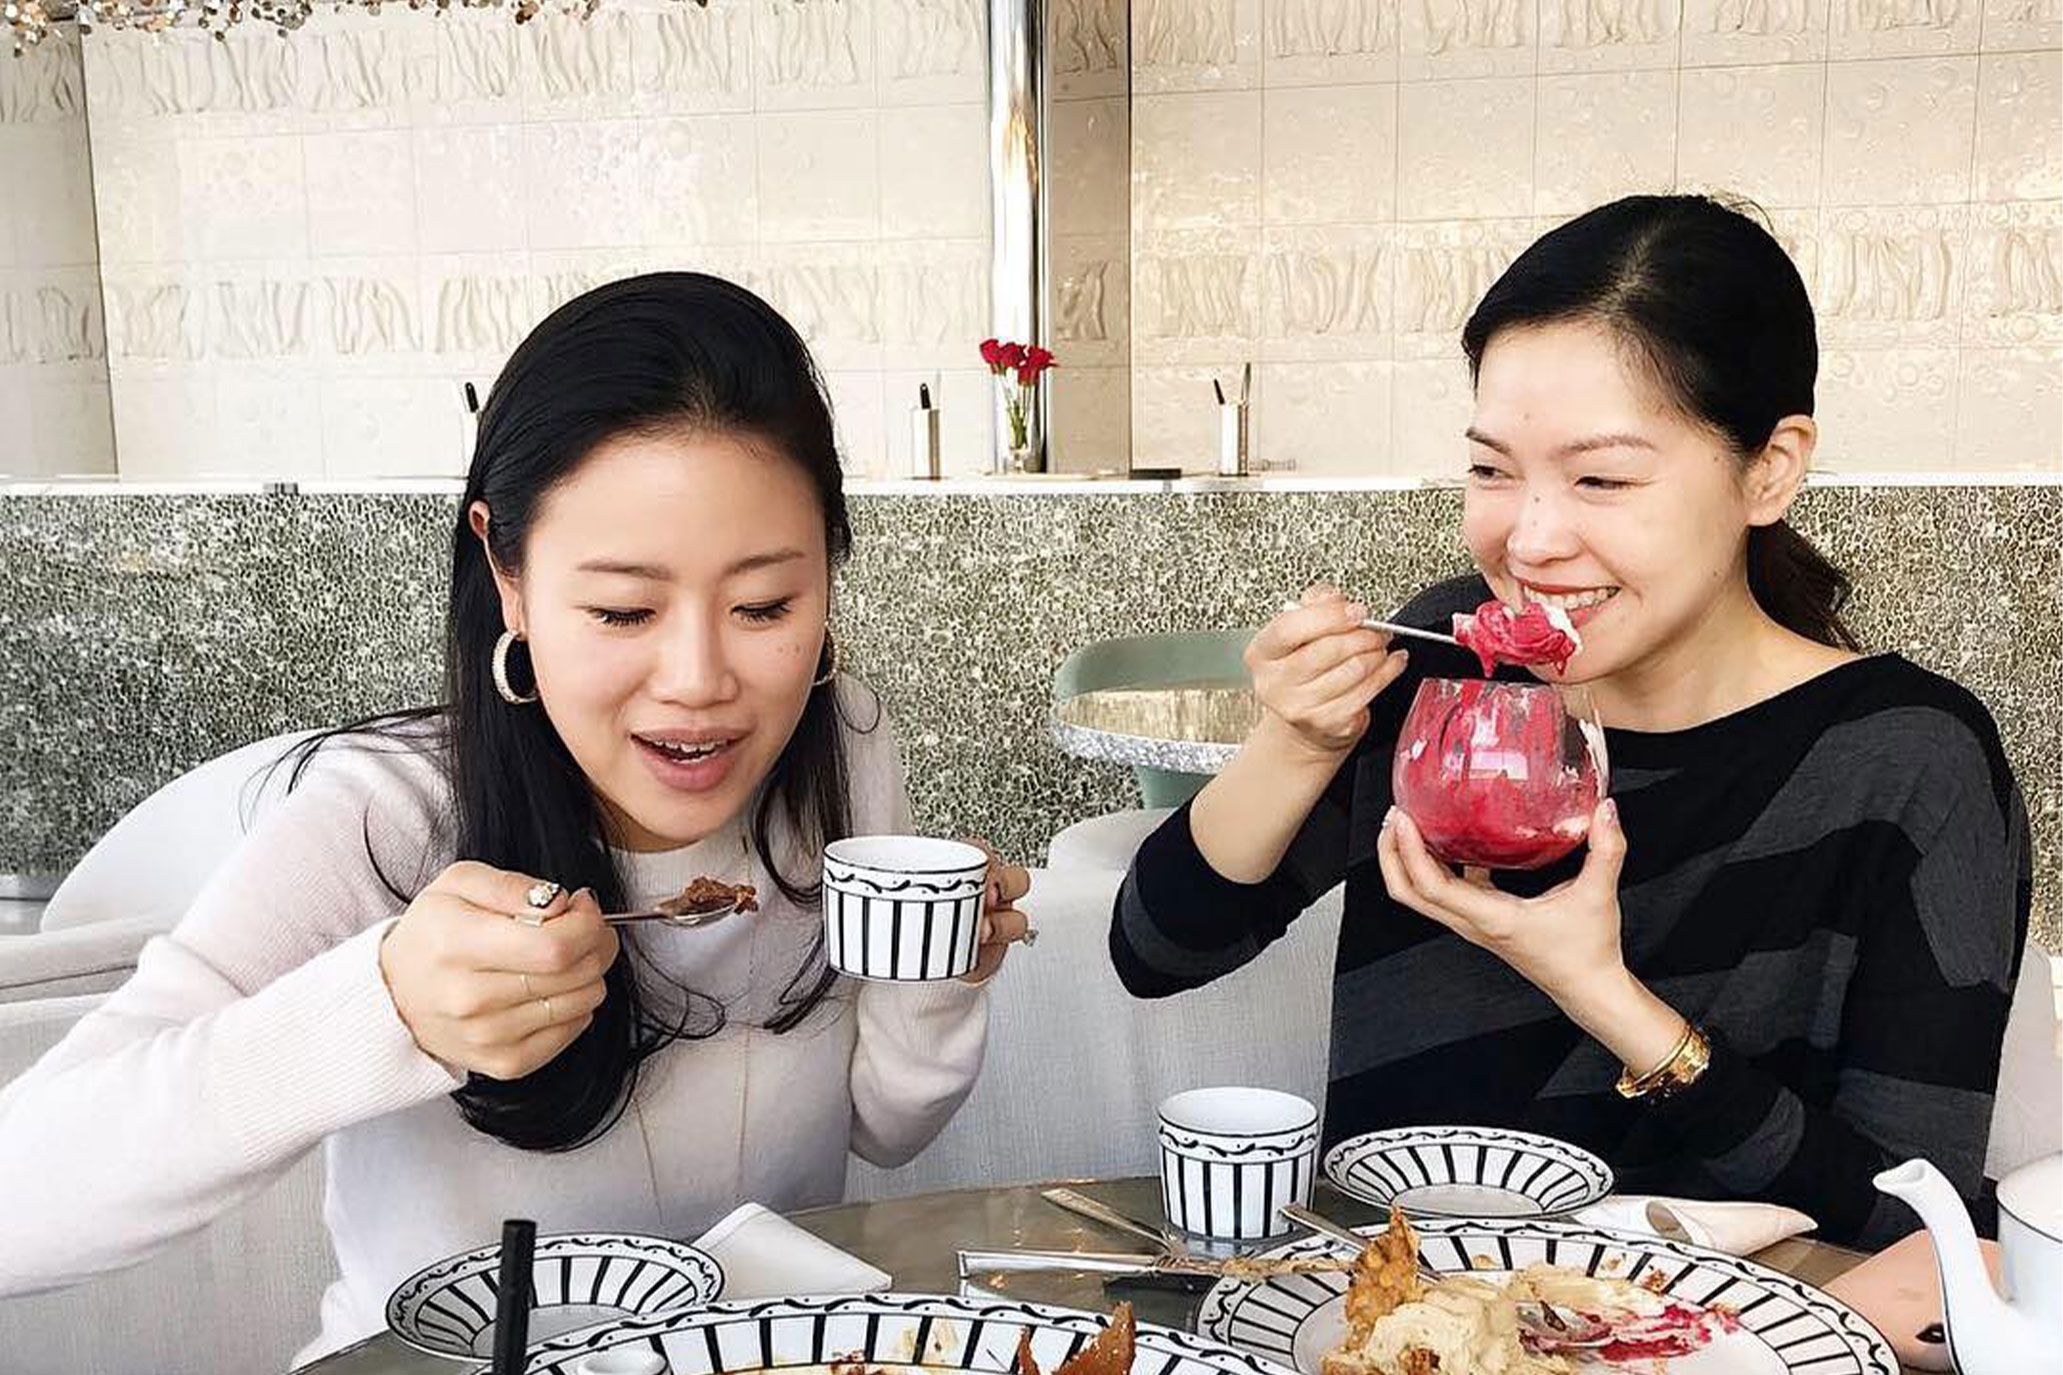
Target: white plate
[884, 1329]
[1787, 1326]
[579, 1279]
[1467, 1172]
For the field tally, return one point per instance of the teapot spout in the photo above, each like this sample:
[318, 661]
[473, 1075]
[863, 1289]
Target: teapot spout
[1983, 1329]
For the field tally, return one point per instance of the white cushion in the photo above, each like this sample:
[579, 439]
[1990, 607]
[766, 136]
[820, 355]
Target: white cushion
[241, 1295]
[1105, 842]
[83, 959]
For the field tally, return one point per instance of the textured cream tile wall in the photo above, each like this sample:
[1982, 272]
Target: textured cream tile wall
[1088, 132]
[1327, 186]
[53, 347]
[310, 243]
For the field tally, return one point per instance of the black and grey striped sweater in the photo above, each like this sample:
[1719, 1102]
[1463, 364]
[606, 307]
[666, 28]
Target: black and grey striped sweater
[1834, 883]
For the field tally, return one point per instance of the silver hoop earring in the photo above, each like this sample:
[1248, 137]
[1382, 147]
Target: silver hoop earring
[831, 652]
[501, 672]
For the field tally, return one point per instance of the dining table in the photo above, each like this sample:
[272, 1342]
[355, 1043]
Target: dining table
[917, 1240]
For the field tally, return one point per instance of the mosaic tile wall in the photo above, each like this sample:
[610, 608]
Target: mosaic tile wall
[139, 635]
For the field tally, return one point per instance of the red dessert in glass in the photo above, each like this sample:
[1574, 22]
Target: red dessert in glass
[1534, 634]
[1498, 775]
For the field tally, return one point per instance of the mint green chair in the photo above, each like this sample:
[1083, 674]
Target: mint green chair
[1198, 658]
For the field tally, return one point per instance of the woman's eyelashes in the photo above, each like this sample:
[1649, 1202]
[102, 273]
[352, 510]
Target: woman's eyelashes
[767, 611]
[1590, 482]
[620, 616]
[757, 612]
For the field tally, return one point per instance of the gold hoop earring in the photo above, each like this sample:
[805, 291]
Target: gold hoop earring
[501, 672]
[831, 652]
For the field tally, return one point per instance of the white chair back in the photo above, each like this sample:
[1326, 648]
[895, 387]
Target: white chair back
[2027, 1115]
[154, 860]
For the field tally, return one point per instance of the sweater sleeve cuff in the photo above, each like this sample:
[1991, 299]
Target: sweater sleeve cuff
[1727, 1104]
[318, 1049]
[932, 1001]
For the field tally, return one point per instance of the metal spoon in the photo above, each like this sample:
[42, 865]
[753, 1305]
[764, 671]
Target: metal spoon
[680, 919]
[1081, 1205]
[1393, 628]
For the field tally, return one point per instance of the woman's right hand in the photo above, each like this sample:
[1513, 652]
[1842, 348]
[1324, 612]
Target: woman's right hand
[483, 989]
[1315, 670]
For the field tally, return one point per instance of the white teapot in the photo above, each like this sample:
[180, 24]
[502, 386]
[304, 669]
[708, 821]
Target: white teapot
[1989, 1334]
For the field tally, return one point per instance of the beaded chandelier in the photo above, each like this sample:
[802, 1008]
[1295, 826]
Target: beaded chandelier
[30, 21]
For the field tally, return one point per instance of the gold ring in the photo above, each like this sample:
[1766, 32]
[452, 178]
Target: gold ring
[546, 1004]
[528, 991]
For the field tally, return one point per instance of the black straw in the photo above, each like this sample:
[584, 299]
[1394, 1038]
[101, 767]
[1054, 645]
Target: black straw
[512, 1296]
[1219, 390]
[472, 400]
[923, 396]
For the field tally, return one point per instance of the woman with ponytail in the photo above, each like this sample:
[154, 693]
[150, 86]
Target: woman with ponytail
[406, 962]
[1786, 960]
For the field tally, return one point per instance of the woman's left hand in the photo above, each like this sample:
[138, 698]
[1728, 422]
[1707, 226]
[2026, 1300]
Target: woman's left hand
[1565, 942]
[1002, 925]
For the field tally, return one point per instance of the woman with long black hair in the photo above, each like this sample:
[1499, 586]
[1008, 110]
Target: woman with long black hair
[406, 963]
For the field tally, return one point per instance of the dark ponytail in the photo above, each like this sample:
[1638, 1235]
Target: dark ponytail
[1717, 312]
[1800, 588]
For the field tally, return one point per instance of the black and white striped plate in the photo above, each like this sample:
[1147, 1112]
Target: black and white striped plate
[1468, 1172]
[937, 1332]
[1787, 1327]
[577, 1280]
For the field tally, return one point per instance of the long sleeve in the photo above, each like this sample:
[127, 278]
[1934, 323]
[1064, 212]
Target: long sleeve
[1178, 924]
[1923, 1019]
[919, 1052]
[257, 1026]
[920, 1046]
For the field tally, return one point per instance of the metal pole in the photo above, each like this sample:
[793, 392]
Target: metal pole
[1017, 195]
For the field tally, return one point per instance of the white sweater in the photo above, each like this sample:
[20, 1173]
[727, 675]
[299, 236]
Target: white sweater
[260, 1027]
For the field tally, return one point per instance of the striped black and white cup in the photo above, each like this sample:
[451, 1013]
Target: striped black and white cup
[902, 908]
[1231, 1157]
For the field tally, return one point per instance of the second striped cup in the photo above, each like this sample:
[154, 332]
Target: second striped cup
[1231, 1157]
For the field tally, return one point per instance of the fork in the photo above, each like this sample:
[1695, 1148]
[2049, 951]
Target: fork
[1569, 1330]
[1345, 1236]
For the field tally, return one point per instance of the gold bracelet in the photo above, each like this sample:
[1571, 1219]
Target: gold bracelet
[1682, 1068]
[1633, 1085]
